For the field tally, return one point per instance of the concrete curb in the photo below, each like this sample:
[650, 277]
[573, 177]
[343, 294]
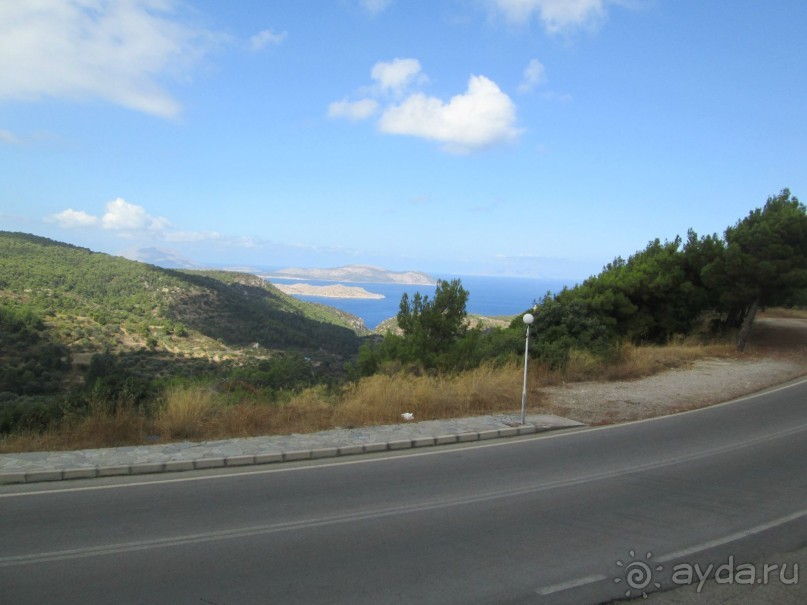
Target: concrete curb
[144, 468]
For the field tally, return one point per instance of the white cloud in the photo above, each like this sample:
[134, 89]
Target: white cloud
[353, 110]
[264, 38]
[68, 219]
[131, 221]
[391, 77]
[8, 137]
[120, 215]
[480, 117]
[375, 6]
[534, 74]
[84, 49]
[556, 15]
[395, 75]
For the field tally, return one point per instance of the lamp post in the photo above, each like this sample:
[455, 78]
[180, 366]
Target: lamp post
[528, 319]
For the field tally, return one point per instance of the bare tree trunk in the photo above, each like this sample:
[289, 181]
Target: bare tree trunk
[748, 322]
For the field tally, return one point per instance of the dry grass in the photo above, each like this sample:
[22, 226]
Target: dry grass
[184, 413]
[631, 362]
[100, 428]
[382, 399]
[640, 361]
[197, 413]
[246, 419]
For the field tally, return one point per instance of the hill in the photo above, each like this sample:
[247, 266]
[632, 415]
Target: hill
[61, 304]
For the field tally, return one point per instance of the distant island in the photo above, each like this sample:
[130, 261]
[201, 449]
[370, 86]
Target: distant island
[356, 273]
[335, 291]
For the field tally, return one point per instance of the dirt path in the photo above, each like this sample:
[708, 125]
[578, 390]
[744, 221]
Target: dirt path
[776, 353]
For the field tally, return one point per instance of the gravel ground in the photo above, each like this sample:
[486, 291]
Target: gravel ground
[776, 353]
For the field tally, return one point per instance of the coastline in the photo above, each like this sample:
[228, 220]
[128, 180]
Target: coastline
[330, 291]
[355, 274]
[270, 277]
[495, 296]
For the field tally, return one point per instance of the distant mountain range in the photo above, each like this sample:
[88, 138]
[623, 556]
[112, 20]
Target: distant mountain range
[358, 274]
[162, 257]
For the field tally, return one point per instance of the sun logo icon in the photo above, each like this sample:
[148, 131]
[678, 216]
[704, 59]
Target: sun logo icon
[638, 574]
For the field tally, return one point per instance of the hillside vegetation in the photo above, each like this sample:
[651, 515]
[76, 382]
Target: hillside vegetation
[149, 303]
[73, 320]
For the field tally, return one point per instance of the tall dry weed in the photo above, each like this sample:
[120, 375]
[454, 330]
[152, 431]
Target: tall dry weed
[185, 412]
[245, 419]
[639, 361]
[101, 427]
[582, 365]
[110, 428]
[383, 398]
[309, 410]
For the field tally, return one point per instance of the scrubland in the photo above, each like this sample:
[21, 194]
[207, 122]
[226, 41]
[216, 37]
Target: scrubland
[199, 412]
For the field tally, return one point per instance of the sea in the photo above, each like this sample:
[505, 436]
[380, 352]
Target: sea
[487, 295]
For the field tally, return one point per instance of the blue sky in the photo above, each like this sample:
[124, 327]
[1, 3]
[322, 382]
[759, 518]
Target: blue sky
[507, 137]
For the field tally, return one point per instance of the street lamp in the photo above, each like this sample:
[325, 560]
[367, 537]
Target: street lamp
[528, 319]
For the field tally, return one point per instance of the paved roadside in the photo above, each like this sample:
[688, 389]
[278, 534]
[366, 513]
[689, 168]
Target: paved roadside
[32, 467]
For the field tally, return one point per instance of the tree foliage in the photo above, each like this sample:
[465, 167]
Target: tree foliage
[764, 262]
[31, 363]
[431, 330]
[664, 290]
[435, 324]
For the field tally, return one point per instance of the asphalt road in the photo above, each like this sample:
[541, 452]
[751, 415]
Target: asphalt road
[574, 517]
